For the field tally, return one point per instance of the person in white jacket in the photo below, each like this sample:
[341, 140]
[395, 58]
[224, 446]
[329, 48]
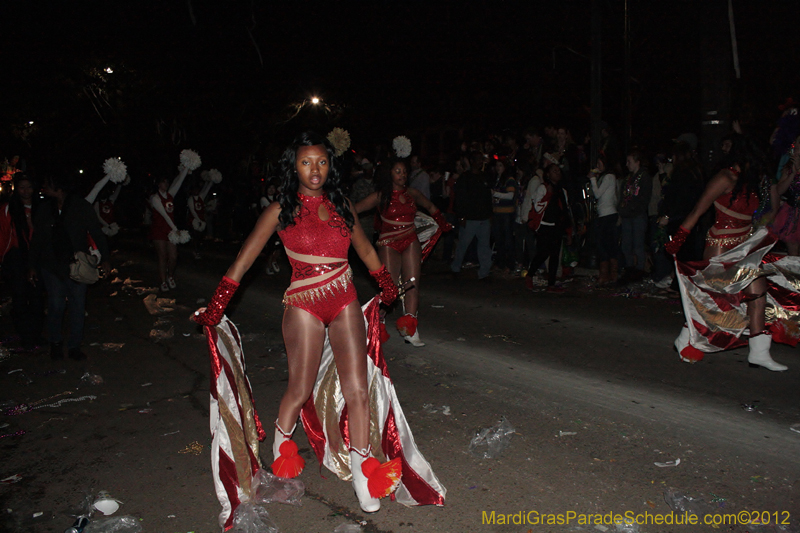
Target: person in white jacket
[604, 188]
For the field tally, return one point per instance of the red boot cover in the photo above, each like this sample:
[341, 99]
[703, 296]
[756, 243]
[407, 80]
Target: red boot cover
[690, 354]
[382, 479]
[289, 464]
[407, 325]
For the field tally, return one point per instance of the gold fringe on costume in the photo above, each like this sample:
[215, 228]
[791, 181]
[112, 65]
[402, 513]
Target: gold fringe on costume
[336, 285]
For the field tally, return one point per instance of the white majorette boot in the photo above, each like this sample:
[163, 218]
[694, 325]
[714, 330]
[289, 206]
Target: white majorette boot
[407, 326]
[288, 463]
[759, 352]
[373, 480]
[687, 352]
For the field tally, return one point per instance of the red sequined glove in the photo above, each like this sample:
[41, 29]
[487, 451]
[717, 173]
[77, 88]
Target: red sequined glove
[445, 225]
[212, 315]
[677, 241]
[389, 291]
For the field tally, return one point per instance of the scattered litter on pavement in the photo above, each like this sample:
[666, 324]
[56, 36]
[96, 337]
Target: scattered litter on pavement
[600, 528]
[37, 515]
[566, 433]
[430, 409]
[437, 306]
[115, 524]
[676, 462]
[146, 290]
[273, 489]
[158, 306]
[145, 411]
[19, 433]
[146, 384]
[682, 503]
[795, 428]
[347, 528]
[461, 339]
[92, 379]
[489, 443]
[118, 319]
[195, 448]
[112, 346]
[160, 335]
[16, 478]
[505, 338]
[172, 433]
[170, 516]
[750, 407]
[252, 518]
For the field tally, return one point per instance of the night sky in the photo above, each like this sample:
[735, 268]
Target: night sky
[224, 78]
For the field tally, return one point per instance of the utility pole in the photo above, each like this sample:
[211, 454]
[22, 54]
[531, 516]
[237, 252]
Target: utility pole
[626, 104]
[597, 80]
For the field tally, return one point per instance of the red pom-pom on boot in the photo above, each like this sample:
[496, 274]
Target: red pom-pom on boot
[289, 464]
[407, 326]
[372, 480]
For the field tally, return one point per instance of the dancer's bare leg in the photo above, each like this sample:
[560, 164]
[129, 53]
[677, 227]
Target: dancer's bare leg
[172, 258]
[412, 268]
[757, 306]
[304, 337]
[348, 338]
[161, 253]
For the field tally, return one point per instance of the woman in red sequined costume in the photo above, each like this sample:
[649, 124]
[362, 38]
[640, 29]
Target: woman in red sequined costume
[162, 202]
[398, 245]
[317, 225]
[734, 194]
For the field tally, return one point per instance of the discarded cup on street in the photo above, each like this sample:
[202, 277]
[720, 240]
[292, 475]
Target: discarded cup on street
[106, 504]
[273, 489]
[682, 503]
[489, 443]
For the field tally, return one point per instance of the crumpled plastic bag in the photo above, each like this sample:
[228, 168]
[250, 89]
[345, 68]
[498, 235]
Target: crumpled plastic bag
[250, 517]
[347, 528]
[489, 443]
[272, 489]
[114, 524]
[682, 503]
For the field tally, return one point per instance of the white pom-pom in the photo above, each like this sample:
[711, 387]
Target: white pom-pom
[402, 146]
[190, 159]
[214, 175]
[340, 140]
[198, 225]
[111, 230]
[115, 169]
[179, 236]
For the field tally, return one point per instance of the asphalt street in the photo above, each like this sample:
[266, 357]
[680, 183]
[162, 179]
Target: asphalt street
[587, 378]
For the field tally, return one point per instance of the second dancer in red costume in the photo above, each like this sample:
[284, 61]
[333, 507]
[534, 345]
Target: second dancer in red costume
[398, 245]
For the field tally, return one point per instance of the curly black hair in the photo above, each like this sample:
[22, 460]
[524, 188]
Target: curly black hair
[753, 164]
[288, 199]
[384, 185]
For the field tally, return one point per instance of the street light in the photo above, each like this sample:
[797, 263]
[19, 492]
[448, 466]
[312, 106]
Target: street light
[315, 100]
[30, 123]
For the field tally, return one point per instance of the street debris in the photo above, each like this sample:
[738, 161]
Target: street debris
[158, 306]
[249, 517]
[676, 462]
[116, 524]
[195, 448]
[682, 503]
[490, 442]
[795, 428]
[347, 528]
[105, 503]
[273, 489]
[430, 409]
[16, 478]
[160, 335]
[566, 433]
[92, 379]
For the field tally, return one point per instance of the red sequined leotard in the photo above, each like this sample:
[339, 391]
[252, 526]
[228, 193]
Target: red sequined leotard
[734, 222]
[397, 229]
[322, 282]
